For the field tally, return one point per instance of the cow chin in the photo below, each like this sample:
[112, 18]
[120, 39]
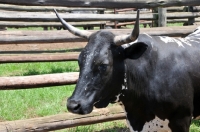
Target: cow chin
[102, 103]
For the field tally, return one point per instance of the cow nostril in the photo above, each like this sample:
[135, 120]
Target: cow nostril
[77, 106]
[73, 105]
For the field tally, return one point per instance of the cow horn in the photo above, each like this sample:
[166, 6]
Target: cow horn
[72, 29]
[124, 39]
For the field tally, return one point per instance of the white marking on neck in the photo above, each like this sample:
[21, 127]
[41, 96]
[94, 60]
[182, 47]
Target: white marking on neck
[124, 87]
[117, 98]
[183, 40]
[155, 125]
[196, 32]
[171, 40]
[194, 37]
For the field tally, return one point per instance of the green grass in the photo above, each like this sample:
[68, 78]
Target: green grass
[24, 104]
[24, 69]
[26, 28]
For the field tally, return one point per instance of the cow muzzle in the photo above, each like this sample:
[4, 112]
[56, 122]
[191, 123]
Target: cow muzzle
[79, 106]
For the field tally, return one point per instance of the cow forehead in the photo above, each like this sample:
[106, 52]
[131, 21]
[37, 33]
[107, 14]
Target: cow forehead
[97, 49]
[101, 37]
[97, 53]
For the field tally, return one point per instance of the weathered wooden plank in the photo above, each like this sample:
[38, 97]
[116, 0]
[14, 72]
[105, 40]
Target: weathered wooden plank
[180, 15]
[13, 37]
[70, 17]
[46, 16]
[53, 24]
[16, 58]
[45, 8]
[194, 8]
[44, 48]
[175, 9]
[106, 4]
[37, 81]
[62, 121]
[7, 37]
[150, 22]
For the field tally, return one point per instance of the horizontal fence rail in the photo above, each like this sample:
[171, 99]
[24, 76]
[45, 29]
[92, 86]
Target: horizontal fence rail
[61, 121]
[105, 4]
[48, 24]
[37, 81]
[17, 58]
[13, 37]
[70, 17]
[45, 8]
[69, 9]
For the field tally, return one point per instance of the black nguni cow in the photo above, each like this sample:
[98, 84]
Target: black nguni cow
[155, 78]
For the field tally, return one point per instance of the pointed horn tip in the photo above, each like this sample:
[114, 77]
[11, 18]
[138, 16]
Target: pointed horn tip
[138, 12]
[55, 11]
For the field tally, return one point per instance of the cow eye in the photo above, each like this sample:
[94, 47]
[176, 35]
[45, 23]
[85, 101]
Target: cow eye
[102, 67]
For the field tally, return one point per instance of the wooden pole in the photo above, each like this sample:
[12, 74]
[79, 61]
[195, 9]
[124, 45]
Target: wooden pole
[50, 17]
[155, 16]
[69, 17]
[37, 81]
[45, 8]
[23, 37]
[105, 4]
[162, 17]
[62, 121]
[15, 58]
[191, 21]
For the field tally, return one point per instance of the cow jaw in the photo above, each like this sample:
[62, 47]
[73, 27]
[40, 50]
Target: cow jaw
[102, 103]
[82, 102]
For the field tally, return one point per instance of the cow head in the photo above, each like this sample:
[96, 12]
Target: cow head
[101, 65]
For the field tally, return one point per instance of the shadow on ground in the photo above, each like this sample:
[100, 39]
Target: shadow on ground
[115, 129]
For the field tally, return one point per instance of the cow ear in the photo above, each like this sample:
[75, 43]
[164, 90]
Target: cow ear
[135, 50]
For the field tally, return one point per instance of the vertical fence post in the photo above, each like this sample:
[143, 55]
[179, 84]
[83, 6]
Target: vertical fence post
[155, 16]
[115, 12]
[162, 17]
[191, 21]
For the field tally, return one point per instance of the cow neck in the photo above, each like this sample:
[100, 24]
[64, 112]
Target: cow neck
[124, 87]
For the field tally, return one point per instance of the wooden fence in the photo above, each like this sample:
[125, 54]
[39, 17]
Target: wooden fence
[62, 121]
[35, 16]
[106, 4]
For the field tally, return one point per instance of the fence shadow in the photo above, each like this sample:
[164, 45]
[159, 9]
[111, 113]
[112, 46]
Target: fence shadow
[53, 70]
[115, 129]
